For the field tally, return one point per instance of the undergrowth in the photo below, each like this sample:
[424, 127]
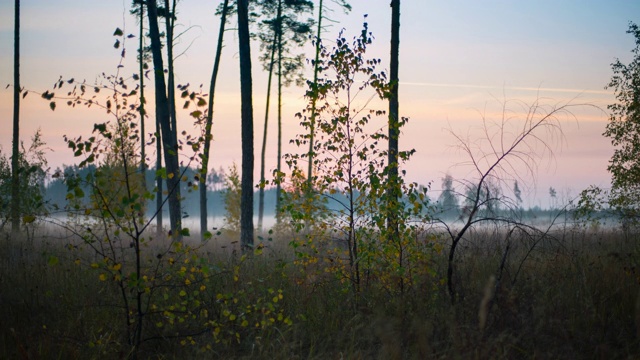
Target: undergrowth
[575, 296]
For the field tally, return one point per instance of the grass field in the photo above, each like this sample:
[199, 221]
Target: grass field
[576, 296]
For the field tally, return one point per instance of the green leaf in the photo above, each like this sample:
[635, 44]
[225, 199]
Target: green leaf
[116, 45]
[53, 260]
[162, 173]
[52, 105]
[100, 127]
[118, 32]
[185, 232]
[78, 192]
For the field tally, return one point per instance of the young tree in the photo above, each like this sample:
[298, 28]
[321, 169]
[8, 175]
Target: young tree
[232, 197]
[32, 167]
[209, 122]
[521, 148]
[316, 68]
[623, 129]
[351, 172]
[15, 154]
[246, 203]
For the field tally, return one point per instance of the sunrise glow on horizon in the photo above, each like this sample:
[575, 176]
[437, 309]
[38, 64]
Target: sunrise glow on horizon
[458, 61]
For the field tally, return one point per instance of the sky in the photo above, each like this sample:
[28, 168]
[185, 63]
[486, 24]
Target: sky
[460, 62]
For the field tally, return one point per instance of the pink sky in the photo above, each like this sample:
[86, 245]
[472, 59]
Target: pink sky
[456, 59]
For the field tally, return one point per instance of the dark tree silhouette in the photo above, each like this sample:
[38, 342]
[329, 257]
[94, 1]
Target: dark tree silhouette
[15, 154]
[168, 132]
[246, 201]
[394, 123]
[281, 32]
[208, 136]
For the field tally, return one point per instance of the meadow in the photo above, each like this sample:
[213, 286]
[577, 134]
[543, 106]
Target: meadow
[575, 295]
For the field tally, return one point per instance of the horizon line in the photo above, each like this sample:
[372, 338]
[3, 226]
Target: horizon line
[520, 88]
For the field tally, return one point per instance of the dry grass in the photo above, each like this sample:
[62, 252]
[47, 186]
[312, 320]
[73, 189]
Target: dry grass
[577, 297]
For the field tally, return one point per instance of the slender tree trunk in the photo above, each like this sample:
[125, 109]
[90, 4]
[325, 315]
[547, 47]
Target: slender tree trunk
[15, 157]
[207, 137]
[159, 187]
[163, 117]
[143, 156]
[171, 88]
[279, 159]
[264, 143]
[246, 202]
[312, 121]
[314, 100]
[393, 192]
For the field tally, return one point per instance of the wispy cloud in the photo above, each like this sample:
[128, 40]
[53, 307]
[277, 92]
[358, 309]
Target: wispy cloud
[517, 88]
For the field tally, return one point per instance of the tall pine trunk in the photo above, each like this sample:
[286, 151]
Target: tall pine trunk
[171, 88]
[163, 117]
[279, 159]
[246, 201]
[15, 153]
[159, 185]
[312, 122]
[207, 137]
[264, 142]
[143, 156]
[393, 191]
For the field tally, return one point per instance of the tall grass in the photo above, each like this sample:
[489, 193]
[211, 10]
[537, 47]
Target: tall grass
[575, 296]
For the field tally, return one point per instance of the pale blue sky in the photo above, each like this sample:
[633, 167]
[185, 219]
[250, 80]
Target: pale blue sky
[456, 57]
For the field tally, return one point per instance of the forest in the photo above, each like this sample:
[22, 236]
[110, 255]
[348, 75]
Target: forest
[145, 248]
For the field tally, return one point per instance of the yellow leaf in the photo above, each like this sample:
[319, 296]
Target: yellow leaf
[28, 219]
[103, 277]
[117, 267]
